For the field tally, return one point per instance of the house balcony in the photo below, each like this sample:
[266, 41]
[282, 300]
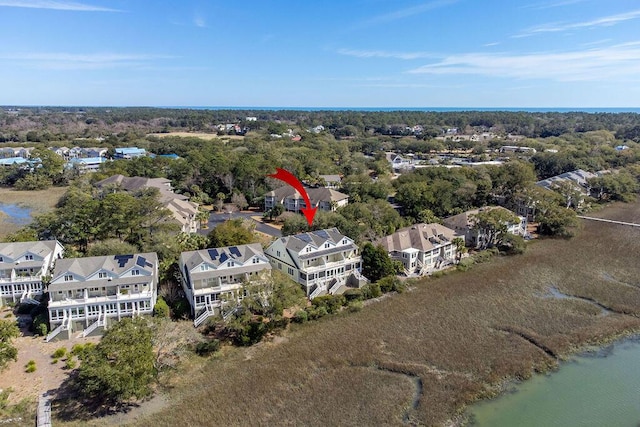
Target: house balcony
[101, 299]
[20, 279]
[331, 264]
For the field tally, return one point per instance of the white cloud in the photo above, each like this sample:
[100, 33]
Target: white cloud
[384, 54]
[199, 21]
[547, 5]
[601, 64]
[407, 12]
[68, 61]
[56, 5]
[606, 21]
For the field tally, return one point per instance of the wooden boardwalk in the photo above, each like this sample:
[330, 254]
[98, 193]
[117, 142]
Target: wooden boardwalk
[43, 416]
[630, 224]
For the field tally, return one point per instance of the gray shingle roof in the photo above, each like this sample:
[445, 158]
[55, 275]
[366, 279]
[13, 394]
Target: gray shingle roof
[17, 249]
[423, 237]
[117, 264]
[217, 256]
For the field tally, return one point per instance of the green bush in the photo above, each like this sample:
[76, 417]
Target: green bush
[355, 306]
[372, 290]
[391, 284]
[317, 312]
[59, 353]
[71, 363]
[54, 361]
[332, 303]
[42, 329]
[205, 348]
[180, 309]
[30, 366]
[161, 309]
[353, 295]
[465, 264]
[301, 316]
[81, 350]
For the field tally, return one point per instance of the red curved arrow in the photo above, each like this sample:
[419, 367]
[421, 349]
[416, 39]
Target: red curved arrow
[286, 176]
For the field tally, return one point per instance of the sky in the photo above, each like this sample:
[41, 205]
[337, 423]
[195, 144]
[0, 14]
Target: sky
[329, 53]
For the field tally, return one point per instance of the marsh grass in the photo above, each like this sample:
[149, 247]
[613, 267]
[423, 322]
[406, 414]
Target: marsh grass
[460, 337]
[39, 201]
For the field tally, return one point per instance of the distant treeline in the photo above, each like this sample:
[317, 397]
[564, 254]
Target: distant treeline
[62, 123]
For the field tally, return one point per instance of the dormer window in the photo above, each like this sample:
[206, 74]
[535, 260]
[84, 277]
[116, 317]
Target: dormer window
[230, 264]
[28, 257]
[102, 275]
[326, 245]
[68, 278]
[255, 260]
[135, 272]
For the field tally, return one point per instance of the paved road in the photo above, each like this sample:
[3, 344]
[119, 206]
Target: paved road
[217, 218]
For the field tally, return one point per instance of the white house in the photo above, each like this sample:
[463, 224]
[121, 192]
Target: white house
[129, 153]
[422, 248]
[464, 224]
[398, 162]
[322, 261]
[89, 293]
[22, 267]
[212, 278]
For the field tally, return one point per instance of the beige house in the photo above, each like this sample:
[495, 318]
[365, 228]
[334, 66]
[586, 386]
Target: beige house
[422, 248]
[322, 261]
[213, 278]
[183, 211]
[22, 268]
[88, 293]
[463, 224]
[325, 199]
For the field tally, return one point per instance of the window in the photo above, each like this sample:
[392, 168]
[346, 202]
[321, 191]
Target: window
[135, 272]
[326, 245]
[290, 271]
[203, 267]
[68, 278]
[308, 249]
[28, 257]
[230, 264]
[255, 260]
[1, 259]
[278, 253]
[102, 275]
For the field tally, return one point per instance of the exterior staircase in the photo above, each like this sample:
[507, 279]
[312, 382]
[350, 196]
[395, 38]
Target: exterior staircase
[203, 315]
[102, 321]
[64, 326]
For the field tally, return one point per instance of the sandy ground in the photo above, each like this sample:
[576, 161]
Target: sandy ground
[48, 376]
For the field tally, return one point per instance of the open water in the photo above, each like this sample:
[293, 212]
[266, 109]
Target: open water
[599, 389]
[16, 214]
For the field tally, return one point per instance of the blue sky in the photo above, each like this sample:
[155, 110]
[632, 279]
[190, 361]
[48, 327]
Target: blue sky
[303, 53]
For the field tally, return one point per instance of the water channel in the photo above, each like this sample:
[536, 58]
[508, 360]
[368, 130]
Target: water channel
[595, 388]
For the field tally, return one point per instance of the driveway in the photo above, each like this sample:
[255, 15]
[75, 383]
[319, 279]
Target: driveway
[219, 217]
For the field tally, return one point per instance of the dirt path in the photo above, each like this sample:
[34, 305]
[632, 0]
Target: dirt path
[47, 376]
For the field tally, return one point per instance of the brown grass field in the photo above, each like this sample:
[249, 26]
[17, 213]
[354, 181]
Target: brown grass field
[40, 201]
[420, 357]
[200, 135]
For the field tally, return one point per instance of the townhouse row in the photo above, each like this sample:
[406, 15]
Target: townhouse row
[87, 294]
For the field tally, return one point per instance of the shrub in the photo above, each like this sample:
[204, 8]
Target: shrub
[59, 353]
[301, 316]
[317, 312]
[161, 309]
[331, 303]
[372, 290]
[513, 245]
[30, 366]
[391, 284]
[353, 295]
[42, 329]
[355, 306]
[465, 264]
[81, 350]
[39, 320]
[54, 361]
[205, 348]
[71, 363]
[180, 309]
